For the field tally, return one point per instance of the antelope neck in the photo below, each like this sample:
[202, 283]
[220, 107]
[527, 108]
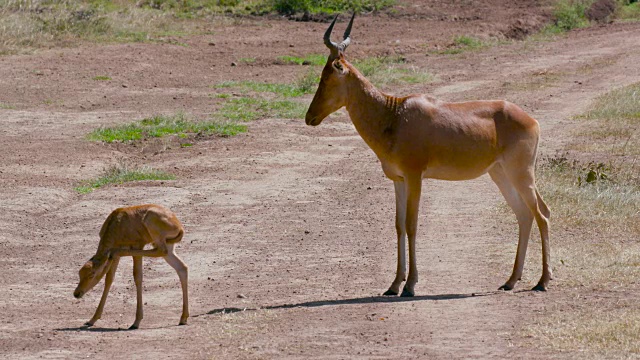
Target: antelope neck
[372, 112]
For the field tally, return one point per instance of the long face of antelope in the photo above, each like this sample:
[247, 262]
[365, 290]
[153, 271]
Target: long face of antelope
[90, 274]
[332, 93]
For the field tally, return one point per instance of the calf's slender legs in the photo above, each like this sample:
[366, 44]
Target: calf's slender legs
[137, 279]
[183, 272]
[107, 285]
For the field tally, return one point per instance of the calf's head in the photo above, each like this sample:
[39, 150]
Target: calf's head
[91, 273]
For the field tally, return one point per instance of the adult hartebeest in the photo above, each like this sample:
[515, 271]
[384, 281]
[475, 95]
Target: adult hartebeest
[125, 232]
[417, 137]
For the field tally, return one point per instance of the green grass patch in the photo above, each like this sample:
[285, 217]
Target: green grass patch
[121, 173]
[161, 125]
[391, 70]
[311, 59]
[101, 78]
[6, 106]
[249, 109]
[287, 90]
[305, 84]
[463, 43]
[468, 42]
[255, 106]
[247, 60]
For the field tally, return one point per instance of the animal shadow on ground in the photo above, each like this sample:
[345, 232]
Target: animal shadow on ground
[105, 330]
[362, 300]
[312, 304]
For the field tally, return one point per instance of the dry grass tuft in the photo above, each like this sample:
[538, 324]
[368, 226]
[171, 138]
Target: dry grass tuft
[535, 82]
[613, 123]
[596, 330]
[30, 24]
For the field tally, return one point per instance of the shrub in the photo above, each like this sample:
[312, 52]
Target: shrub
[570, 14]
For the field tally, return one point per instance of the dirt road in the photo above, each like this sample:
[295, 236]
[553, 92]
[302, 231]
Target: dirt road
[296, 220]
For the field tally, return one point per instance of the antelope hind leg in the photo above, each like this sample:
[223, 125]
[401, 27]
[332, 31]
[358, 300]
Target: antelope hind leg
[183, 273]
[413, 190]
[525, 222]
[137, 278]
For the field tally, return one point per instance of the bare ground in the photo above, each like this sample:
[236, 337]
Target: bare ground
[298, 220]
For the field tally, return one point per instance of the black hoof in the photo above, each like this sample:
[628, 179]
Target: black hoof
[505, 287]
[390, 293]
[133, 327]
[406, 293]
[539, 287]
[87, 324]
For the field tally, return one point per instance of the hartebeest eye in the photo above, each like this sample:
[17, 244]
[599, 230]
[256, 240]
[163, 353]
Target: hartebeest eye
[337, 65]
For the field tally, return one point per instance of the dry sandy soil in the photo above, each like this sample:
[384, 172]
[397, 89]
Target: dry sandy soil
[297, 220]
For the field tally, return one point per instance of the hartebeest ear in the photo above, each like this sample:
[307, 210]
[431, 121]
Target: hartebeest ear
[339, 66]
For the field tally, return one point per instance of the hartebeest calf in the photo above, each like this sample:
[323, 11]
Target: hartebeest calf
[417, 137]
[125, 233]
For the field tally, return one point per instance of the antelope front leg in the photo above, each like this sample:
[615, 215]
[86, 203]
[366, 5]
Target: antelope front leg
[137, 278]
[413, 189]
[401, 212]
[107, 285]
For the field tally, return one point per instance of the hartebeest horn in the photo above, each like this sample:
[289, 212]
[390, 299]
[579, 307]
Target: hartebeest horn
[347, 35]
[336, 48]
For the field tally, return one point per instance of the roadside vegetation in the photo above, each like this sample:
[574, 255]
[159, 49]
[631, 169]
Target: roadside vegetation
[120, 173]
[628, 10]
[311, 59]
[613, 124]
[329, 6]
[576, 14]
[304, 84]
[31, 24]
[391, 70]
[596, 189]
[162, 125]
[258, 100]
[568, 15]
[250, 109]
